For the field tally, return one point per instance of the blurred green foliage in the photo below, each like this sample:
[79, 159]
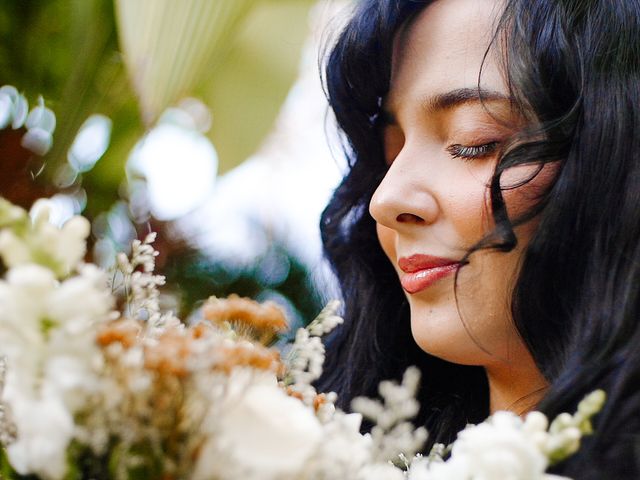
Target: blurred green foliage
[275, 273]
[68, 52]
[246, 91]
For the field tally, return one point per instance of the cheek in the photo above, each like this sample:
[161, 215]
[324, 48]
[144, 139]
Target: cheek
[468, 209]
[519, 200]
[387, 239]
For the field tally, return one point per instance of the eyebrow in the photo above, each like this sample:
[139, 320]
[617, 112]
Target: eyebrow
[460, 96]
[452, 99]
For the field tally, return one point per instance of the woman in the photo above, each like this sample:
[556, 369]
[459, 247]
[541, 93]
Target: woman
[488, 228]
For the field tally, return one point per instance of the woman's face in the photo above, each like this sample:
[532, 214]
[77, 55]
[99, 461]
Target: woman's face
[441, 143]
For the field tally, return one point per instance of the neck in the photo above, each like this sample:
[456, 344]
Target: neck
[517, 388]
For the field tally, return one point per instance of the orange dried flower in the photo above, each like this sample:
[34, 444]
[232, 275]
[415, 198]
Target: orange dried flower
[294, 393]
[124, 331]
[250, 319]
[249, 355]
[200, 330]
[319, 400]
[170, 355]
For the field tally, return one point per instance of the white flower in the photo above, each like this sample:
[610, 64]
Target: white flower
[343, 451]
[419, 469]
[451, 470]
[63, 247]
[41, 317]
[23, 299]
[45, 428]
[10, 214]
[498, 449]
[13, 250]
[381, 471]
[264, 433]
[47, 333]
[40, 242]
[81, 301]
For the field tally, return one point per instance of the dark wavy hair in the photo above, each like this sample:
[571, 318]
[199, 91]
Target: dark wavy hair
[573, 66]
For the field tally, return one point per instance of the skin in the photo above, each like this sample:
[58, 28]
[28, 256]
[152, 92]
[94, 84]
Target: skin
[442, 148]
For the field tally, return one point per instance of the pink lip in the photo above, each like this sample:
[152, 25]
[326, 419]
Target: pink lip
[422, 271]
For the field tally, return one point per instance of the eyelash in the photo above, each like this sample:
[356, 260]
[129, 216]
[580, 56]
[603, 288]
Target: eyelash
[472, 152]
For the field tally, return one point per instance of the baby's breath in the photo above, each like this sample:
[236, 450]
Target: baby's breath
[307, 355]
[141, 285]
[393, 433]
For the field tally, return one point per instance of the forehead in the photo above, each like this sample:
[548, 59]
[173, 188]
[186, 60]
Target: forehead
[443, 49]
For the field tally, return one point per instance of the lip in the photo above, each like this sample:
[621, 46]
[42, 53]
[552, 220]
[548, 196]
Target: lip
[422, 271]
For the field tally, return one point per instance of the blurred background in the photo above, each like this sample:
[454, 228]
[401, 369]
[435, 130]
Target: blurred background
[203, 120]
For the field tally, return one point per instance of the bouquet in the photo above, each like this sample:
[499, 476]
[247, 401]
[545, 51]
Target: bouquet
[96, 381]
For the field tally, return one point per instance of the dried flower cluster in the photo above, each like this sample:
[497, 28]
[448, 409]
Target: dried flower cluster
[253, 321]
[91, 391]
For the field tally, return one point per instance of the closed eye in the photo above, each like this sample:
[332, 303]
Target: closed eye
[472, 152]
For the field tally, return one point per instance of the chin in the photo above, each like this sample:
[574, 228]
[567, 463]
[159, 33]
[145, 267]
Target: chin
[445, 336]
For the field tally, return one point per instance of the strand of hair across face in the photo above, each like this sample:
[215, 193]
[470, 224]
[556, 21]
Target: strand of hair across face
[529, 406]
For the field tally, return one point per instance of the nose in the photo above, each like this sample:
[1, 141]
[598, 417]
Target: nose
[406, 197]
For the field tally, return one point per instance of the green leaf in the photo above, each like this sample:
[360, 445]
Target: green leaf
[6, 471]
